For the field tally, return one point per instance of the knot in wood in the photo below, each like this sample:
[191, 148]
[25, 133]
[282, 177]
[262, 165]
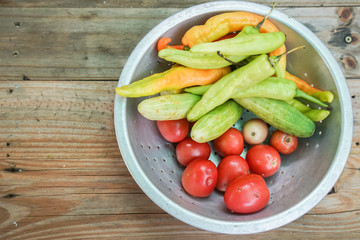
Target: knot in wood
[346, 14]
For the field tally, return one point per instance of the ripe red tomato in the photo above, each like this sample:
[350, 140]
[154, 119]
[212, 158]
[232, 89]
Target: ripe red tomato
[229, 168]
[264, 160]
[247, 194]
[188, 150]
[200, 177]
[230, 143]
[255, 131]
[283, 142]
[173, 130]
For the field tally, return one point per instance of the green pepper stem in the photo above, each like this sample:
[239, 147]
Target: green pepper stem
[238, 64]
[274, 60]
[301, 94]
[262, 22]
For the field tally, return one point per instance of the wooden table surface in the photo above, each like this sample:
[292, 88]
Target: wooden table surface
[61, 173]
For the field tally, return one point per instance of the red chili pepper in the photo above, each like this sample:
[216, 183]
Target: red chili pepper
[163, 43]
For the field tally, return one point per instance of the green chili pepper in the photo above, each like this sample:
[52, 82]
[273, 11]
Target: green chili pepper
[248, 44]
[314, 114]
[204, 61]
[241, 78]
[272, 87]
[197, 60]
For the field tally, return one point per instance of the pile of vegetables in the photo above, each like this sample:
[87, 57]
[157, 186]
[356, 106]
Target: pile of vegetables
[235, 61]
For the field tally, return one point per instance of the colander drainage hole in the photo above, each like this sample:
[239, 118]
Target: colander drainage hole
[154, 159]
[146, 158]
[164, 160]
[162, 171]
[158, 147]
[149, 146]
[142, 146]
[320, 132]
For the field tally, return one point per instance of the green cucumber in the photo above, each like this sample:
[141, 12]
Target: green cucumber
[216, 122]
[168, 107]
[280, 115]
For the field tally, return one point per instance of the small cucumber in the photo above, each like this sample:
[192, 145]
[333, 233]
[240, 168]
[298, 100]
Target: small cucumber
[168, 107]
[280, 115]
[216, 122]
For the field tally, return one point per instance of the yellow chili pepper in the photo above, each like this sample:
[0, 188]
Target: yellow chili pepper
[177, 77]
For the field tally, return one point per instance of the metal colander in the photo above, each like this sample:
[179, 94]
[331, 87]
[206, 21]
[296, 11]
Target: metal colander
[304, 178]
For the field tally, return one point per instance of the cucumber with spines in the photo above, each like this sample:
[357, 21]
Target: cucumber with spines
[216, 122]
[280, 115]
[168, 107]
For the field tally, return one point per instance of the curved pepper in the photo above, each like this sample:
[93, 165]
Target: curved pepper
[163, 43]
[249, 44]
[222, 24]
[315, 115]
[197, 60]
[324, 96]
[177, 77]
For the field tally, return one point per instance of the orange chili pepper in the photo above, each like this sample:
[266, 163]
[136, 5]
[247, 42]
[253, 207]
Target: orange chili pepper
[324, 96]
[163, 43]
[177, 77]
[222, 24]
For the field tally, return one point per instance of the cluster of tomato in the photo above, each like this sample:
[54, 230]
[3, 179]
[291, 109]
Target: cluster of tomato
[241, 180]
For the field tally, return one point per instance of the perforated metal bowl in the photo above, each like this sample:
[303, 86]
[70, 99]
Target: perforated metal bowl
[304, 178]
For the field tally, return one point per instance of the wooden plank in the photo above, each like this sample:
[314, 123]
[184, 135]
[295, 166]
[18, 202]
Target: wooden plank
[94, 43]
[62, 176]
[160, 3]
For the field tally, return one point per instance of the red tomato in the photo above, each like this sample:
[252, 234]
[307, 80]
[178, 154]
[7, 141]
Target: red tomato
[229, 168]
[230, 143]
[263, 160]
[247, 194]
[283, 142]
[173, 130]
[200, 177]
[188, 150]
[255, 131]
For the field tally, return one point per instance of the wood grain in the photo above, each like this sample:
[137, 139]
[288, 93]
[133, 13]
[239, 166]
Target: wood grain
[62, 176]
[94, 43]
[61, 173]
[161, 3]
